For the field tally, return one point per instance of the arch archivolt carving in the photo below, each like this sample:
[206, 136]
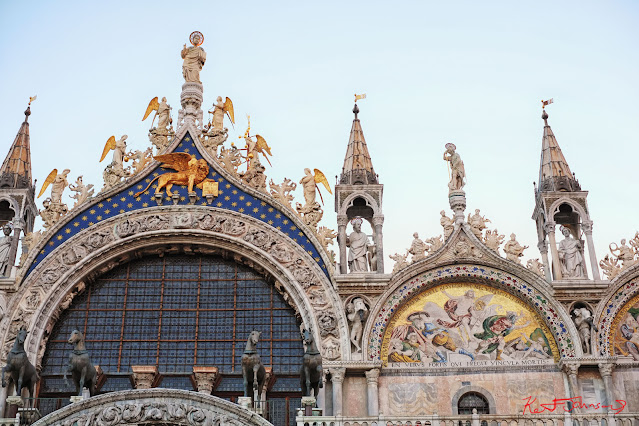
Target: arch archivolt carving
[153, 406]
[400, 292]
[53, 284]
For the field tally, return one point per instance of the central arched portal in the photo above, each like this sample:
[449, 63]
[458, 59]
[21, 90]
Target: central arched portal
[175, 312]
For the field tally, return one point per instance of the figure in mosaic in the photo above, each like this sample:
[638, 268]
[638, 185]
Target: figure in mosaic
[357, 241]
[457, 171]
[194, 58]
[570, 257]
[496, 328]
[6, 242]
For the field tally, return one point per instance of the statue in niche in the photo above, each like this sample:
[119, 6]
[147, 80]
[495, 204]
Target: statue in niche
[5, 248]
[514, 250]
[477, 223]
[357, 241]
[583, 321]
[356, 312]
[457, 171]
[447, 224]
[417, 248]
[572, 262]
[194, 58]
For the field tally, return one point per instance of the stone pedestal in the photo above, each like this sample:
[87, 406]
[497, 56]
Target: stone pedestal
[457, 201]
[308, 403]
[205, 378]
[244, 402]
[15, 400]
[144, 376]
[191, 100]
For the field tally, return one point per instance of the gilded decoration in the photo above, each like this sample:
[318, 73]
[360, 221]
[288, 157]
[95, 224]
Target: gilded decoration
[465, 322]
[230, 197]
[624, 333]
[508, 290]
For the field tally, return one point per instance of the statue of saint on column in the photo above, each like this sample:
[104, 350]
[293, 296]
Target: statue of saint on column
[194, 58]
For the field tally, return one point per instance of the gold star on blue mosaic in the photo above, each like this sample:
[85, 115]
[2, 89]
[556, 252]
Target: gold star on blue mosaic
[234, 199]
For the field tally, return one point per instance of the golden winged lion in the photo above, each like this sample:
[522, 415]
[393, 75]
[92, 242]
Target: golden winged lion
[190, 172]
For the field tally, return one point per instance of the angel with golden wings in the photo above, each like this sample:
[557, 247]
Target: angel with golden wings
[58, 182]
[309, 183]
[119, 151]
[162, 111]
[219, 109]
[255, 147]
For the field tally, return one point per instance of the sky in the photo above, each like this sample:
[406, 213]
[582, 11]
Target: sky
[471, 73]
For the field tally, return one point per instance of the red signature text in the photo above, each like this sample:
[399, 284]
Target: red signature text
[563, 404]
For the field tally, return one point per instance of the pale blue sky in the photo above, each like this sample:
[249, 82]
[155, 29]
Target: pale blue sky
[467, 72]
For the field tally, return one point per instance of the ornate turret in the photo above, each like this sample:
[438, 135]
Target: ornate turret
[359, 195]
[17, 205]
[560, 201]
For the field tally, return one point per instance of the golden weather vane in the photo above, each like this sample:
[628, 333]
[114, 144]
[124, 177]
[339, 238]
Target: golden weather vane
[358, 97]
[32, 98]
[544, 104]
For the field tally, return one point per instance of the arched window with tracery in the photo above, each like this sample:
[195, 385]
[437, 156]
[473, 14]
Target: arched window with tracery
[470, 401]
[175, 312]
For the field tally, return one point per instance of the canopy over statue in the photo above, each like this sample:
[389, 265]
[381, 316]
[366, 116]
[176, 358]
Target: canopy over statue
[194, 58]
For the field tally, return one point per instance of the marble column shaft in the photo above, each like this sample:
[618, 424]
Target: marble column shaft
[372, 382]
[594, 266]
[341, 242]
[337, 377]
[378, 221]
[556, 266]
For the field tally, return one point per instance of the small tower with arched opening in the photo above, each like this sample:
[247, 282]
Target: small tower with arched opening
[559, 200]
[358, 198]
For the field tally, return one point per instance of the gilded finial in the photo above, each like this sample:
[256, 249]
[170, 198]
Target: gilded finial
[544, 104]
[358, 97]
[32, 98]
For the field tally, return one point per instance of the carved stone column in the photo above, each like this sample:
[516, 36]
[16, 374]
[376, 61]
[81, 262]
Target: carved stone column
[605, 369]
[337, 377]
[571, 369]
[342, 220]
[321, 396]
[543, 249]
[3, 399]
[205, 378]
[267, 380]
[372, 379]
[144, 376]
[378, 221]
[594, 265]
[18, 227]
[556, 266]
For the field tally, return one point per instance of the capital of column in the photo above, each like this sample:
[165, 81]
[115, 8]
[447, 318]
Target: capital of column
[378, 220]
[549, 227]
[144, 376]
[342, 220]
[372, 376]
[605, 368]
[587, 226]
[571, 368]
[337, 374]
[543, 246]
[205, 378]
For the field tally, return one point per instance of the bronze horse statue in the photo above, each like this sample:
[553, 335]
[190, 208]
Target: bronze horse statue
[253, 370]
[23, 373]
[80, 367]
[311, 372]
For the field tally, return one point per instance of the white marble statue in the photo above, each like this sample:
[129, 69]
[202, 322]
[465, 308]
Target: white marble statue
[308, 185]
[194, 58]
[83, 192]
[447, 223]
[493, 240]
[514, 250]
[58, 185]
[218, 114]
[400, 261]
[417, 248]
[583, 321]
[6, 242]
[570, 257]
[477, 223]
[535, 266]
[164, 115]
[457, 171]
[356, 312]
[357, 241]
[624, 253]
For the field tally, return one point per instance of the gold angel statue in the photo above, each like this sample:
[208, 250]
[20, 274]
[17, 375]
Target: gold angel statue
[309, 183]
[255, 147]
[119, 150]
[58, 182]
[218, 111]
[190, 172]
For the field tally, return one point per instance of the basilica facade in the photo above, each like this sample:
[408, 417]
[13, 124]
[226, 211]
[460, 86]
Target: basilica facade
[167, 269]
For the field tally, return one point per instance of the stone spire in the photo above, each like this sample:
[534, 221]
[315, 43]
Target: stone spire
[16, 168]
[554, 172]
[358, 167]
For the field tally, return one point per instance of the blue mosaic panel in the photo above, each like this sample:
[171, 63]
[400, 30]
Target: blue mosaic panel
[231, 197]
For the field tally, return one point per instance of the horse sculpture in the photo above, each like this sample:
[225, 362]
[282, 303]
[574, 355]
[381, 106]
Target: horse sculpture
[80, 367]
[311, 372]
[23, 373]
[253, 370]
